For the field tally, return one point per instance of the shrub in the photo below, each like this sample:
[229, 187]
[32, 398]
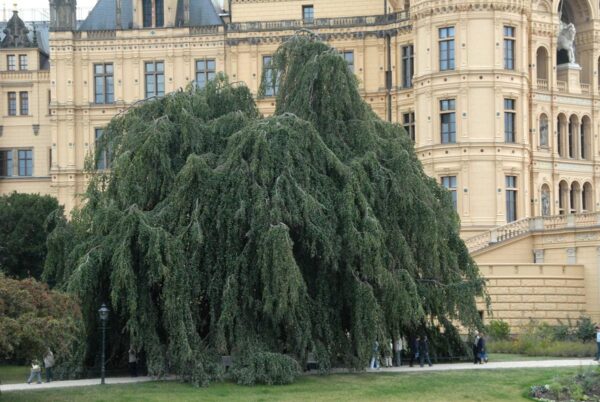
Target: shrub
[265, 368]
[581, 387]
[498, 330]
[532, 347]
[585, 330]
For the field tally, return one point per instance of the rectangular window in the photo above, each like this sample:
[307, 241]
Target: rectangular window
[408, 122]
[509, 48]
[102, 161]
[308, 14]
[12, 103]
[104, 84]
[349, 57]
[147, 13]
[511, 198]
[6, 163]
[446, 44]
[159, 12]
[24, 103]
[25, 162]
[23, 62]
[509, 120]
[448, 121]
[271, 82]
[449, 182]
[408, 65]
[155, 78]
[11, 62]
[205, 71]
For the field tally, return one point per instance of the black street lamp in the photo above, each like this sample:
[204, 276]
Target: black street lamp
[103, 312]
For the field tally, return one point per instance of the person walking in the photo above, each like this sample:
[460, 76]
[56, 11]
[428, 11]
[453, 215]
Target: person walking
[132, 362]
[398, 352]
[474, 347]
[482, 356]
[375, 356]
[598, 343]
[49, 364]
[36, 371]
[414, 350]
[424, 352]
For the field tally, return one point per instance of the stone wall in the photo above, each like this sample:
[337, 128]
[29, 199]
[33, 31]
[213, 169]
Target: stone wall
[545, 292]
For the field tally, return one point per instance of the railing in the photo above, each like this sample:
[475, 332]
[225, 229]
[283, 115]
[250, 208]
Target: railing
[103, 34]
[542, 83]
[585, 88]
[561, 86]
[16, 75]
[528, 225]
[373, 20]
[205, 30]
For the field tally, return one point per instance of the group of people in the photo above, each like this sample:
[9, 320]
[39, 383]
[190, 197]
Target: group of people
[392, 355]
[36, 369]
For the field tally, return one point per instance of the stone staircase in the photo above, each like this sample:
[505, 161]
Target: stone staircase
[528, 225]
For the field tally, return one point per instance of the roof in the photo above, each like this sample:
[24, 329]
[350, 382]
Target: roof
[103, 16]
[42, 31]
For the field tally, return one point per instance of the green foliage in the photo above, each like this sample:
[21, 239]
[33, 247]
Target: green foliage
[584, 386]
[23, 233]
[312, 231]
[265, 368]
[498, 330]
[585, 329]
[33, 318]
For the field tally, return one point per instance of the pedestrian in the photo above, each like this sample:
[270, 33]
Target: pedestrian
[482, 355]
[132, 362]
[474, 347]
[49, 364]
[598, 343]
[414, 350]
[424, 352]
[398, 352]
[36, 371]
[375, 356]
[387, 354]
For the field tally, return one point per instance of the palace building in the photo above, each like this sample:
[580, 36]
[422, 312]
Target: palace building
[501, 98]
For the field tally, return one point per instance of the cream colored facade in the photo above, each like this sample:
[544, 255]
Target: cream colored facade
[544, 162]
[25, 120]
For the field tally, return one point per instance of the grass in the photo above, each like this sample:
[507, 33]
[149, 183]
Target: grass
[509, 357]
[13, 374]
[472, 385]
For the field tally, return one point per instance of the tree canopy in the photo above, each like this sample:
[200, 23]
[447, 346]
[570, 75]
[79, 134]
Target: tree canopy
[23, 233]
[218, 231]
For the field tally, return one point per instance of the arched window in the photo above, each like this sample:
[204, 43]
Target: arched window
[542, 68]
[587, 200]
[561, 135]
[573, 136]
[563, 197]
[585, 141]
[544, 131]
[575, 198]
[545, 200]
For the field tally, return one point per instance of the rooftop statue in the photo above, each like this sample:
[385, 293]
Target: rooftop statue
[566, 40]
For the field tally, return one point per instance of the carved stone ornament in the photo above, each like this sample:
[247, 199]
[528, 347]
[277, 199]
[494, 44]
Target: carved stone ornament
[566, 40]
[16, 33]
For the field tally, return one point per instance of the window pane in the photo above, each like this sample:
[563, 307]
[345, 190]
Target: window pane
[160, 66]
[210, 65]
[149, 67]
[200, 65]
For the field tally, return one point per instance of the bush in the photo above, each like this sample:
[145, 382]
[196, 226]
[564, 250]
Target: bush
[498, 330]
[265, 368]
[532, 347]
[585, 330]
[32, 318]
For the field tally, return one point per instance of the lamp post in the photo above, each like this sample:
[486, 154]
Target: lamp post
[103, 312]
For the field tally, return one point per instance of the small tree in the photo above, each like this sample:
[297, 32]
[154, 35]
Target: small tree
[23, 233]
[33, 318]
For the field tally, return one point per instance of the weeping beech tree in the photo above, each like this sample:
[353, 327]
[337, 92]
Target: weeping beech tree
[218, 231]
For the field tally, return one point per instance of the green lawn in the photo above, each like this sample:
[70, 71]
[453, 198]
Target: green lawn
[484, 385]
[507, 357]
[13, 374]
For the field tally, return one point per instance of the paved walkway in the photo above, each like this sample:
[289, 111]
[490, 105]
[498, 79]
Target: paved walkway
[404, 369]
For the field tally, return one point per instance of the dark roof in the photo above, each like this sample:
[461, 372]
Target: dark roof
[103, 15]
[42, 29]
